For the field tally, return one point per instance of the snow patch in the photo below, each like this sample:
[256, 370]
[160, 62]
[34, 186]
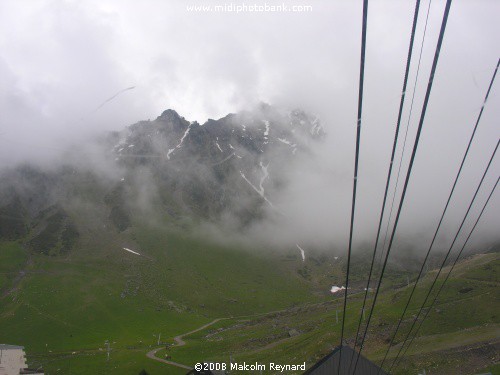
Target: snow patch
[169, 152]
[302, 253]
[265, 174]
[283, 140]
[266, 132]
[287, 142]
[180, 142]
[131, 251]
[184, 136]
[260, 192]
[316, 127]
[220, 149]
[336, 289]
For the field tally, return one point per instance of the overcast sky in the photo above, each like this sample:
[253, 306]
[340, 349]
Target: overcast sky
[60, 60]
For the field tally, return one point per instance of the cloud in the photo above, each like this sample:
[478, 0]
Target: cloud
[60, 59]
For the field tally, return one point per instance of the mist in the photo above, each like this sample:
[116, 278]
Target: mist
[60, 62]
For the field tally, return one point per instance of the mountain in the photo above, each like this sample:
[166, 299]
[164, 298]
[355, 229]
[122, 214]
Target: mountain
[169, 167]
[106, 246]
[232, 164]
[103, 246]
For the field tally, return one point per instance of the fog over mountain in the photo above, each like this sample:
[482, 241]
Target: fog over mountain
[72, 73]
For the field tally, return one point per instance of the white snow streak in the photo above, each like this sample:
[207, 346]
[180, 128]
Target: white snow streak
[169, 152]
[252, 185]
[219, 147]
[131, 251]
[184, 136]
[265, 174]
[266, 132]
[287, 142]
[302, 253]
[226, 158]
[261, 193]
[283, 140]
[180, 142]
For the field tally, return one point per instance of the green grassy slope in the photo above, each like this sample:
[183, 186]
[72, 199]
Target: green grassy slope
[13, 257]
[66, 306]
[461, 332]
[97, 292]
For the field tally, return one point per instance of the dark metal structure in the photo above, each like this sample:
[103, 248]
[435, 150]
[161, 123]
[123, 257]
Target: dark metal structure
[335, 363]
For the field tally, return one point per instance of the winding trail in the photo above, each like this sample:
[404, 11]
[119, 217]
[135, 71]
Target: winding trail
[180, 342]
[152, 355]
[17, 279]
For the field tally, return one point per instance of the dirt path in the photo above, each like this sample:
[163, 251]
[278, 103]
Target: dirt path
[152, 355]
[180, 342]
[17, 280]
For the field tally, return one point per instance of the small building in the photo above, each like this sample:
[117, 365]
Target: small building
[330, 364]
[13, 361]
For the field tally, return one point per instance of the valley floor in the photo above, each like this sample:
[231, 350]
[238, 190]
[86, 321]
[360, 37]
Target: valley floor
[251, 308]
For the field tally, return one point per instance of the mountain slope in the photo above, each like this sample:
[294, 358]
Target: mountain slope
[116, 244]
[459, 336]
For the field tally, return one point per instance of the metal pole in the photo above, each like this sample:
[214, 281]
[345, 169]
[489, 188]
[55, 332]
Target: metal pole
[107, 349]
